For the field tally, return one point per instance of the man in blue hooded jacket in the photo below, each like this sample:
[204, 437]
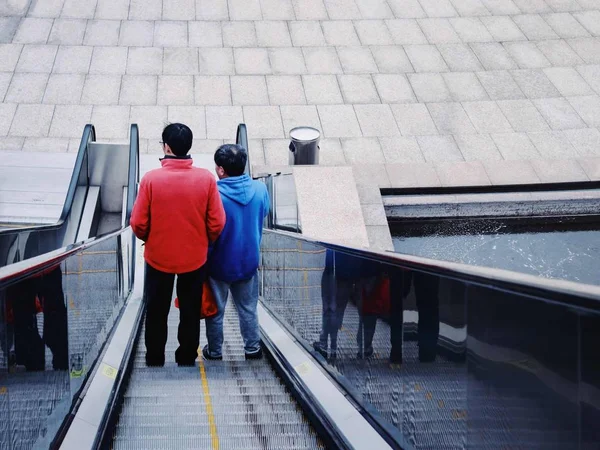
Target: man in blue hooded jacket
[234, 259]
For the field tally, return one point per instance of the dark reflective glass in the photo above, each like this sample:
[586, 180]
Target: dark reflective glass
[441, 361]
[53, 325]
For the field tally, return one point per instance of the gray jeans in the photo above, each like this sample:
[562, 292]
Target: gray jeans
[245, 297]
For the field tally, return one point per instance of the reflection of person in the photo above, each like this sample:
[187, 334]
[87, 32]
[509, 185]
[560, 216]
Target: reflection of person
[177, 212]
[25, 299]
[426, 288]
[339, 284]
[374, 303]
[234, 258]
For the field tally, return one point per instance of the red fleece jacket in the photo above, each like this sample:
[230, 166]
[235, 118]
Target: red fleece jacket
[177, 212]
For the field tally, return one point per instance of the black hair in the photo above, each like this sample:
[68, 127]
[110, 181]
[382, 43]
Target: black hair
[232, 158]
[178, 137]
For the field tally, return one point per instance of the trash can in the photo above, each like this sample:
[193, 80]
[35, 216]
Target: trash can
[304, 147]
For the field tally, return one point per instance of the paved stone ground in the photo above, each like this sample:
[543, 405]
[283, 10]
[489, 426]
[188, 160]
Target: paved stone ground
[408, 92]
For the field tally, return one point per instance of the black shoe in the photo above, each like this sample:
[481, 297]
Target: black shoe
[154, 361]
[255, 355]
[206, 355]
[320, 350]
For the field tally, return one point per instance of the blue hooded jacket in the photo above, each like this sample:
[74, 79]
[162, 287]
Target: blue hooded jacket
[235, 254]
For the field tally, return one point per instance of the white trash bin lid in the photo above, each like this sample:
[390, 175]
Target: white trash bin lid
[304, 134]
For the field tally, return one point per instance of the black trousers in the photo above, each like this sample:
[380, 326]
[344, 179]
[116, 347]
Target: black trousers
[158, 290]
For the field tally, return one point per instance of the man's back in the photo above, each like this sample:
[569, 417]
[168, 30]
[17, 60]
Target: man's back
[235, 255]
[177, 212]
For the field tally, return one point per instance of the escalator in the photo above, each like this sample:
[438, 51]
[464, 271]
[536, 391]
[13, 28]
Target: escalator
[446, 356]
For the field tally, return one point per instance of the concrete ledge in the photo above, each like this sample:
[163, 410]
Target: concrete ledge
[490, 205]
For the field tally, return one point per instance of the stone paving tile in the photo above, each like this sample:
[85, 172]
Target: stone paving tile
[369, 194]
[450, 118]
[565, 25]
[212, 90]
[138, 90]
[69, 120]
[72, 59]
[276, 152]
[239, 34]
[439, 148]
[11, 143]
[309, 9]
[170, 34]
[111, 9]
[111, 122]
[535, 27]
[412, 174]
[559, 114]
[523, 115]
[394, 88]
[374, 9]
[249, 90]
[178, 9]
[145, 61]
[55, 145]
[500, 85]
[5, 78]
[322, 89]
[534, 83]
[340, 33]
[503, 29]
[591, 74]
[414, 119]
[376, 120]
[591, 166]
[101, 90]
[205, 34]
[273, 34]
[244, 10]
[426, 58]
[438, 8]
[83, 9]
[64, 89]
[342, 9]
[493, 56]
[33, 31]
[532, 6]
[487, 117]
[358, 89]
[331, 153]
[477, 147]
[559, 53]
[145, 10]
[356, 60]
[287, 61]
[406, 9]
[590, 20]
[7, 113]
[373, 32]
[429, 87]
[553, 143]
[109, 60]
[374, 215]
[462, 173]
[152, 119]
[360, 150]
[9, 55]
[460, 58]
[250, 61]
[501, 7]
[321, 60]
[175, 90]
[438, 31]
[299, 115]
[339, 121]
[401, 149]
[50, 8]
[307, 34]
[568, 81]
[8, 28]
[27, 88]
[67, 32]
[31, 120]
[211, 10]
[406, 31]
[586, 141]
[37, 58]
[263, 121]
[588, 108]
[564, 5]
[470, 7]
[180, 61]
[464, 86]
[515, 146]
[193, 116]
[102, 32]
[375, 174]
[527, 55]
[391, 59]
[471, 29]
[559, 171]
[286, 90]
[511, 172]
[277, 9]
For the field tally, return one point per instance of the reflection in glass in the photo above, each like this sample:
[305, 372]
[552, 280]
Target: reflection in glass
[446, 362]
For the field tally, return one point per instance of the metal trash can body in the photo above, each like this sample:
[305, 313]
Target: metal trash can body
[304, 147]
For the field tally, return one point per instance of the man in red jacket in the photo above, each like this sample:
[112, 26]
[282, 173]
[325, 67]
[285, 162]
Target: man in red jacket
[177, 213]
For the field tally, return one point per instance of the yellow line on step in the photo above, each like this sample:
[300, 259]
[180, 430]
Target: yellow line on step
[209, 410]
